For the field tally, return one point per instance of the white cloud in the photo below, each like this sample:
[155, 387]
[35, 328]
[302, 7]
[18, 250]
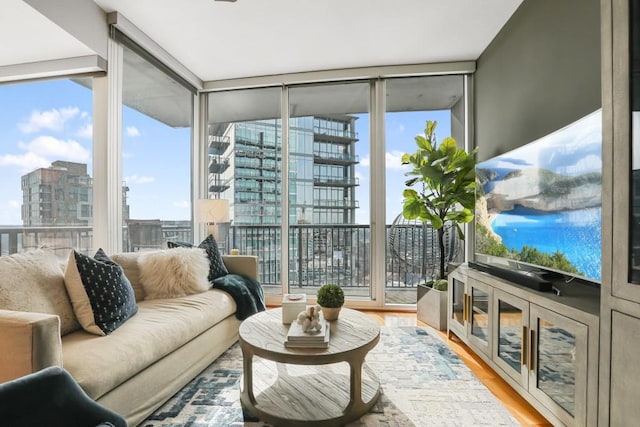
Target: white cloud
[85, 131]
[365, 162]
[182, 204]
[135, 179]
[393, 159]
[132, 131]
[27, 162]
[52, 119]
[14, 204]
[57, 149]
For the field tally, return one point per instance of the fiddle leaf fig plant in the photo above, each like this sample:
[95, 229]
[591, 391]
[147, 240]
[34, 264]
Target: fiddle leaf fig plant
[441, 189]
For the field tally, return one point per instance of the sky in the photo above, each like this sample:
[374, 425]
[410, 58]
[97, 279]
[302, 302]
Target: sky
[46, 121]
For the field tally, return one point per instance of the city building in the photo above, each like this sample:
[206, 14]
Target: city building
[245, 168]
[58, 195]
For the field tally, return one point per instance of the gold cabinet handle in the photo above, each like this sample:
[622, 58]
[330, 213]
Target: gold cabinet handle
[467, 317]
[464, 308]
[532, 350]
[523, 354]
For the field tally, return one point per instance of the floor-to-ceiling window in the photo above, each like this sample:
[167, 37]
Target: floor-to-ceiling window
[412, 248]
[244, 146]
[329, 221]
[46, 165]
[157, 127]
[336, 217]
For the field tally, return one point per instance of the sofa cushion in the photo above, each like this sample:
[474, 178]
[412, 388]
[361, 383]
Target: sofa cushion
[216, 264]
[174, 273]
[33, 282]
[129, 263]
[101, 294]
[161, 326]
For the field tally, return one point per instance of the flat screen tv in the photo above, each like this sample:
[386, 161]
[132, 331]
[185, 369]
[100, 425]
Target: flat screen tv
[539, 207]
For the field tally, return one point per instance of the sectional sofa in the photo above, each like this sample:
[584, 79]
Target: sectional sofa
[136, 367]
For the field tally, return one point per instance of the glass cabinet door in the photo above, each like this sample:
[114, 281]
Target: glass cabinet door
[511, 331]
[558, 371]
[457, 301]
[479, 310]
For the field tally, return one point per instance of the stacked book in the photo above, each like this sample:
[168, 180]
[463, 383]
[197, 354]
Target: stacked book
[297, 338]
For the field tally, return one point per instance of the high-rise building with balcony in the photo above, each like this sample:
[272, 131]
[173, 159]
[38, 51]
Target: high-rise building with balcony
[245, 167]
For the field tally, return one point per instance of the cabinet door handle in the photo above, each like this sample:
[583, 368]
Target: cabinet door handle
[523, 354]
[468, 308]
[464, 308]
[532, 350]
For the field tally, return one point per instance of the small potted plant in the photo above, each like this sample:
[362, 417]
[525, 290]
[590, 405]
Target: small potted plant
[330, 298]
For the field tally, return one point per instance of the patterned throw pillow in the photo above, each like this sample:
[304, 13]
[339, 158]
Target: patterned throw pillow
[216, 264]
[100, 293]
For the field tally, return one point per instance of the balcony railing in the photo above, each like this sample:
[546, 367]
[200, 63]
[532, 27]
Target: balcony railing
[318, 254]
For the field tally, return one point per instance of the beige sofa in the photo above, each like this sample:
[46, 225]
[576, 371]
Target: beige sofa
[138, 366]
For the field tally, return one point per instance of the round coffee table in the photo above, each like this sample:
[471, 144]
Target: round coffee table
[306, 396]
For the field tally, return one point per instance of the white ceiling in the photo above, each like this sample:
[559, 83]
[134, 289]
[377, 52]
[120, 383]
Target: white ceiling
[220, 40]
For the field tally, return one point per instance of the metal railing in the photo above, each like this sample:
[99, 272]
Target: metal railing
[318, 254]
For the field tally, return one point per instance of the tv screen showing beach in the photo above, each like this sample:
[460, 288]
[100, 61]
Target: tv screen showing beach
[541, 204]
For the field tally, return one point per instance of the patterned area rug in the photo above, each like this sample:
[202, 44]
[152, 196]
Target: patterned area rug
[423, 384]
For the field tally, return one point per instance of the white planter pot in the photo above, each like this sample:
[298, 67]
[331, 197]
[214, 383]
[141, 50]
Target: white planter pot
[432, 307]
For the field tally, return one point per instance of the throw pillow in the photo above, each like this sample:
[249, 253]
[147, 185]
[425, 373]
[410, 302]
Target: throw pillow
[216, 264]
[174, 273]
[33, 281]
[129, 263]
[101, 294]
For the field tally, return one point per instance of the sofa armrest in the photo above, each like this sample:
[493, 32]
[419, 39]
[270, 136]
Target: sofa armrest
[28, 342]
[246, 265]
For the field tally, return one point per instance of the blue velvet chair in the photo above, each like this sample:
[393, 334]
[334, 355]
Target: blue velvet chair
[51, 397]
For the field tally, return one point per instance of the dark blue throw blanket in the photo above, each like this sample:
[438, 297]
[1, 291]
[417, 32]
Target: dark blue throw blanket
[246, 292]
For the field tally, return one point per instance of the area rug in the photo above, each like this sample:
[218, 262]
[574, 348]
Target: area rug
[423, 384]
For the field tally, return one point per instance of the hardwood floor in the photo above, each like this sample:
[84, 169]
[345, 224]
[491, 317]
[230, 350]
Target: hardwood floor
[521, 410]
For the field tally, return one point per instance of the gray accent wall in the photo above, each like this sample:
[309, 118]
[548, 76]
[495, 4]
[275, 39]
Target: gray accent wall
[540, 73]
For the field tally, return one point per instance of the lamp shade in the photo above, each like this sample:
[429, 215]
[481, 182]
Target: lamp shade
[212, 211]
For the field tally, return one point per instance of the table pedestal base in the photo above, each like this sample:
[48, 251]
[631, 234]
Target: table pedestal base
[300, 395]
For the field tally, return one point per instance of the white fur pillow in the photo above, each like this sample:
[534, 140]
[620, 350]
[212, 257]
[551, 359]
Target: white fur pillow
[174, 272]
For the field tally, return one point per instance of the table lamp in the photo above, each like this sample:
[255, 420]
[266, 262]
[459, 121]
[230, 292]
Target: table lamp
[213, 212]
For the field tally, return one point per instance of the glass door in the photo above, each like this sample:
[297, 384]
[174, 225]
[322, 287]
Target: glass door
[558, 371]
[510, 328]
[328, 189]
[244, 147]
[412, 247]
